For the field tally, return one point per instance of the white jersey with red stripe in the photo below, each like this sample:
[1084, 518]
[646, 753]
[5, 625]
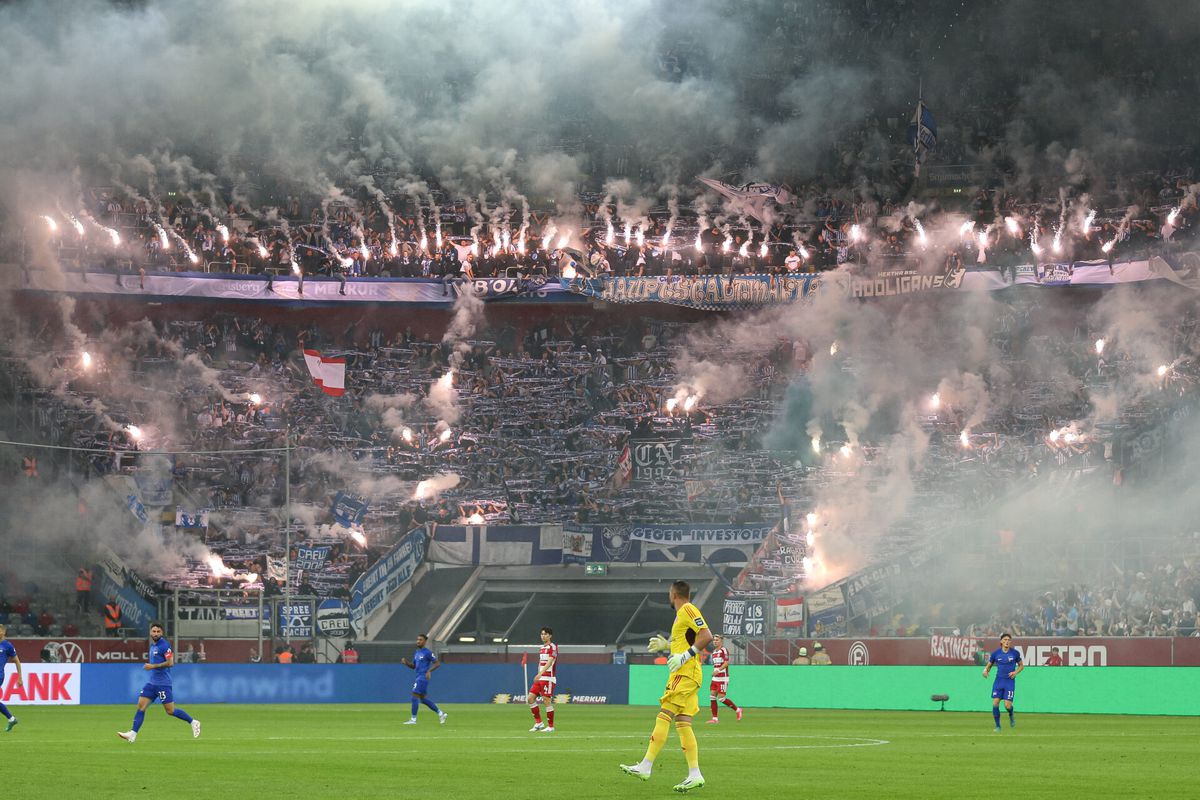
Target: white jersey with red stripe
[720, 663]
[547, 652]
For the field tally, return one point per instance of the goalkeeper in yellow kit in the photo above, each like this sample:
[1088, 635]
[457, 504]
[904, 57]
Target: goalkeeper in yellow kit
[681, 700]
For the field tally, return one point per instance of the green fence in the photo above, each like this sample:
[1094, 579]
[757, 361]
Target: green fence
[1063, 690]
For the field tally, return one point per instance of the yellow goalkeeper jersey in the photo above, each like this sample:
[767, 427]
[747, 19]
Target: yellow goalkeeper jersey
[688, 620]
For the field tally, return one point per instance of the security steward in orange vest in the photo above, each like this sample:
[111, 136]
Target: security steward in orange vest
[83, 589]
[112, 617]
[349, 655]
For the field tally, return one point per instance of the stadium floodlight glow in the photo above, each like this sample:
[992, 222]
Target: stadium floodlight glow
[86, 359]
[499, 639]
[467, 639]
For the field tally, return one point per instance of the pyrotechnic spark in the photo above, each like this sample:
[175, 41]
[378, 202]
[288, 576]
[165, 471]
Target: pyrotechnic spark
[982, 238]
[134, 432]
[564, 240]
[666, 240]
[256, 398]
[690, 403]
[966, 228]
[699, 243]
[845, 450]
[936, 400]
[964, 439]
[744, 250]
[833, 348]
[641, 236]
[855, 233]
[50, 221]
[1173, 215]
[921, 237]
[295, 268]
[116, 237]
[221, 229]
[1013, 226]
[609, 237]
[393, 248]
[447, 380]
[407, 435]
[810, 539]
[549, 237]
[672, 402]
[1057, 240]
[262, 249]
[803, 251]
[807, 563]
[424, 243]
[811, 518]
[762, 250]
[727, 244]
[77, 225]
[816, 444]
[569, 271]
[1033, 241]
[1087, 222]
[86, 359]
[476, 519]
[628, 229]
[1099, 346]
[162, 238]
[359, 537]
[445, 435]
[1162, 370]
[1107, 246]
[364, 252]
[1054, 436]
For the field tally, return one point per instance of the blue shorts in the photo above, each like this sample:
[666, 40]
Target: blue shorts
[155, 692]
[1003, 691]
[420, 686]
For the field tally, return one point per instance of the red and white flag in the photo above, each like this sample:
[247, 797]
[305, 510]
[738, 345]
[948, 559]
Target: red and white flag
[789, 612]
[328, 373]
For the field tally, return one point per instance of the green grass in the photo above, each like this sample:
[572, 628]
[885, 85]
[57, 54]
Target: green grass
[363, 751]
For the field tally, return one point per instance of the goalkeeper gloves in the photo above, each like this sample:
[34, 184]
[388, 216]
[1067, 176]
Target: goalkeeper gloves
[658, 644]
[677, 660]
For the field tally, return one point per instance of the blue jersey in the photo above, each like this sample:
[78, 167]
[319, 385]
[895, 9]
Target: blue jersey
[7, 653]
[160, 651]
[1005, 663]
[422, 660]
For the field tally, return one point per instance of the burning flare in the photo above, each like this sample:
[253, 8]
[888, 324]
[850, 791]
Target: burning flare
[1099, 346]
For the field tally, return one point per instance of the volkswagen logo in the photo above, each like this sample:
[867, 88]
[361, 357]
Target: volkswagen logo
[66, 652]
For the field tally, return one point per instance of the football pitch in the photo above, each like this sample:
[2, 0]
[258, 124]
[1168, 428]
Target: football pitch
[364, 751]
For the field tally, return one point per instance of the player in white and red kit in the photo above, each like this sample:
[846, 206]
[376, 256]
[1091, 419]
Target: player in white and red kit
[720, 679]
[543, 684]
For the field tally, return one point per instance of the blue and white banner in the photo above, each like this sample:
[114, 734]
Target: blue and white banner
[922, 132]
[155, 490]
[700, 534]
[333, 618]
[576, 546]
[709, 292]
[348, 510]
[191, 519]
[826, 612]
[751, 198]
[316, 290]
[311, 557]
[386, 576]
[296, 619]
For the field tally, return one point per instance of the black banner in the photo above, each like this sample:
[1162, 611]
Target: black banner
[654, 459]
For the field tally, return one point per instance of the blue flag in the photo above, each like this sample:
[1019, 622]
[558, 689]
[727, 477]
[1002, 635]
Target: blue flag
[922, 132]
[348, 510]
[136, 508]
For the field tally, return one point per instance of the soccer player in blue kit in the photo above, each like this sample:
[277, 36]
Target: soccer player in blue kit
[1008, 665]
[159, 686]
[8, 653]
[424, 663]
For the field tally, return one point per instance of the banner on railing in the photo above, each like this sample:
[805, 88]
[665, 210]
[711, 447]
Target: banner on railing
[699, 534]
[386, 576]
[709, 292]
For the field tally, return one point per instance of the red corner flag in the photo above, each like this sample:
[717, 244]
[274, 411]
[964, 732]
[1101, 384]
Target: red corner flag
[524, 658]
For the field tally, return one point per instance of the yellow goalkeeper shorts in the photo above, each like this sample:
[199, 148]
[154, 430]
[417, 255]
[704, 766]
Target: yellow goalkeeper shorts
[682, 696]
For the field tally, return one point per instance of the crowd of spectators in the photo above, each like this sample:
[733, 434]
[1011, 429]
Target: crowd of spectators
[995, 229]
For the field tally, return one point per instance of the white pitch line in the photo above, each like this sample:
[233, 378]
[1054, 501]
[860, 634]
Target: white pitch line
[572, 735]
[707, 748]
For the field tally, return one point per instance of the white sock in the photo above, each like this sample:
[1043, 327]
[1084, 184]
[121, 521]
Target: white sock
[694, 773]
[645, 766]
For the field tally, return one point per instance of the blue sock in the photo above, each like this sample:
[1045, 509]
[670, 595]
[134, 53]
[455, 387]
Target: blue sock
[4, 710]
[1010, 715]
[431, 705]
[417, 704]
[996, 715]
[137, 720]
[183, 715]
